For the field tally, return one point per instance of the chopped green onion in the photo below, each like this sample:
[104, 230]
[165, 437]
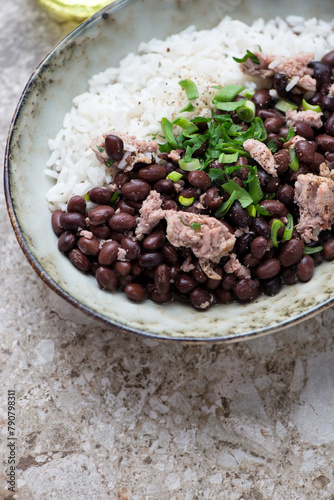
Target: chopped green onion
[196, 226]
[311, 250]
[260, 210]
[254, 185]
[225, 158]
[194, 164]
[86, 197]
[249, 55]
[294, 162]
[228, 93]
[186, 202]
[190, 87]
[174, 176]
[109, 162]
[290, 134]
[276, 225]
[311, 107]
[167, 128]
[99, 149]
[251, 210]
[189, 107]
[288, 230]
[284, 106]
[247, 112]
[248, 93]
[242, 195]
[225, 206]
[185, 124]
[229, 106]
[114, 198]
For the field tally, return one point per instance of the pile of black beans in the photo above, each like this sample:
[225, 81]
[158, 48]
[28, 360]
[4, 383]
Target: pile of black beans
[151, 268]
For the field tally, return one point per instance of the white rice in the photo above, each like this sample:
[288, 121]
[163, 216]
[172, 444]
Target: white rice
[144, 88]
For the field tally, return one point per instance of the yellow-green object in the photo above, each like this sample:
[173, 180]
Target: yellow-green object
[73, 10]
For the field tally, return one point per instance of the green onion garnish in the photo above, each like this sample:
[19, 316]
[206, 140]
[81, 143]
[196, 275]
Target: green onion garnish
[167, 128]
[225, 206]
[86, 197]
[311, 250]
[114, 198]
[242, 195]
[189, 107]
[225, 158]
[196, 226]
[290, 134]
[190, 87]
[311, 107]
[229, 106]
[288, 230]
[246, 113]
[194, 164]
[186, 202]
[284, 106]
[185, 124]
[109, 162]
[228, 93]
[254, 185]
[294, 162]
[276, 225]
[249, 55]
[99, 149]
[251, 210]
[174, 176]
[248, 93]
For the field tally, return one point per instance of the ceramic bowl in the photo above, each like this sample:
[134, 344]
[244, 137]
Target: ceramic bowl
[98, 43]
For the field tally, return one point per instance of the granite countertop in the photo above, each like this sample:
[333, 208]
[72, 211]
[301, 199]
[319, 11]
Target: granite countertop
[107, 416]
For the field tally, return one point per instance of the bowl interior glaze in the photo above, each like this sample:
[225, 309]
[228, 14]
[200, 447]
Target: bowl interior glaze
[97, 44]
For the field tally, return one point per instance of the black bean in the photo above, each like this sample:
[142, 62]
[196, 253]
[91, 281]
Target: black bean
[100, 195]
[329, 125]
[170, 255]
[122, 222]
[275, 208]
[327, 103]
[228, 281]
[243, 243]
[328, 58]
[268, 269]
[286, 195]
[150, 259]
[152, 173]
[89, 246]
[66, 242]
[164, 186]
[223, 296]
[238, 215]
[100, 215]
[55, 222]
[261, 98]
[250, 261]
[304, 130]
[275, 138]
[106, 278]
[131, 247]
[325, 142]
[273, 124]
[211, 283]
[161, 298]
[136, 190]
[114, 147]
[289, 277]
[122, 268]
[282, 160]
[201, 298]
[108, 253]
[322, 72]
[102, 231]
[77, 204]
[291, 253]
[162, 278]
[72, 221]
[199, 179]
[169, 205]
[121, 178]
[259, 247]
[135, 291]
[272, 286]
[280, 81]
[79, 260]
[305, 268]
[260, 227]
[154, 241]
[317, 161]
[272, 185]
[212, 198]
[189, 193]
[305, 151]
[185, 283]
[123, 206]
[329, 249]
[246, 289]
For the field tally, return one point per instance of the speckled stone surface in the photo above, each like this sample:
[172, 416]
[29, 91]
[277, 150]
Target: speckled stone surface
[109, 416]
